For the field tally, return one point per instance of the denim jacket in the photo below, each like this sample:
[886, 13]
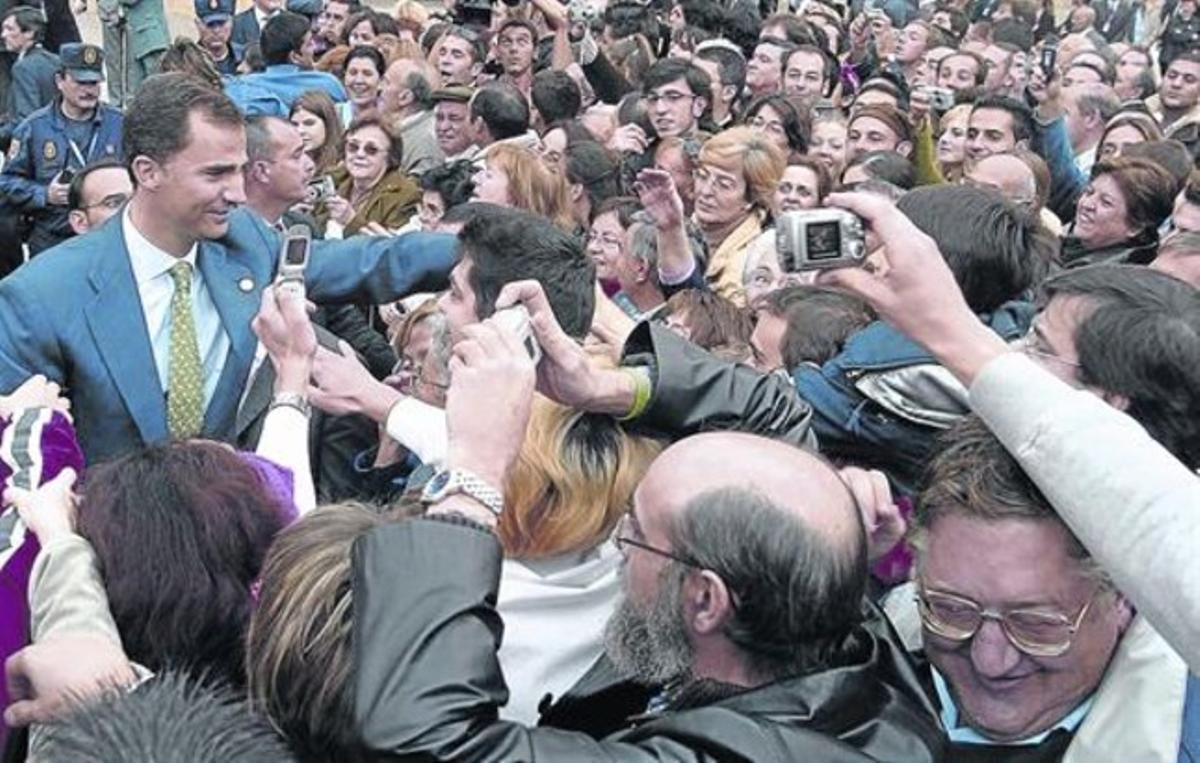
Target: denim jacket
[881, 401]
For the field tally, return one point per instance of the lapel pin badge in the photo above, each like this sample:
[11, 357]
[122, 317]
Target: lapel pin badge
[246, 284]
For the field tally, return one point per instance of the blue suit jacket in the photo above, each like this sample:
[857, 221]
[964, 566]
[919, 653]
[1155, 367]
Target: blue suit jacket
[245, 29]
[74, 315]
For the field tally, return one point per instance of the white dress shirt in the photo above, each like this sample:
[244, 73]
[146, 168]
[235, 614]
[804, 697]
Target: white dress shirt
[152, 273]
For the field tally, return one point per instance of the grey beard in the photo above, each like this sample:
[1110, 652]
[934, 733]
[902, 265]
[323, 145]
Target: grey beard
[652, 647]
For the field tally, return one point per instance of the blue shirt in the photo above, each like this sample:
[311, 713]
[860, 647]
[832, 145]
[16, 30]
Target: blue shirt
[288, 82]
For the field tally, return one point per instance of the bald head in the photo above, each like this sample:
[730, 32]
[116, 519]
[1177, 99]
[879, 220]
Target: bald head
[775, 538]
[407, 87]
[799, 483]
[1008, 175]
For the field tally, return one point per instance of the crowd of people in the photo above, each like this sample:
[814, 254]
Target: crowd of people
[544, 448]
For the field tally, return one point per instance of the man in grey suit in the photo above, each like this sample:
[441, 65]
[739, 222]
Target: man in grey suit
[146, 321]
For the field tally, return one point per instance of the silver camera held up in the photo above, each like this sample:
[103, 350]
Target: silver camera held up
[819, 239]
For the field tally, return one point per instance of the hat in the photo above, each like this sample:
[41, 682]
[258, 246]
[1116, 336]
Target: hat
[214, 11]
[311, 8]
[453, 93]
[84, 62]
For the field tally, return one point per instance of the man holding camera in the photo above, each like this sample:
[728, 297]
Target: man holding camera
[57, 141]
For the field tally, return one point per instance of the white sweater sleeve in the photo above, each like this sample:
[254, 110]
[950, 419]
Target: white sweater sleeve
[284, 440]
[1130, 502]
[421, 428]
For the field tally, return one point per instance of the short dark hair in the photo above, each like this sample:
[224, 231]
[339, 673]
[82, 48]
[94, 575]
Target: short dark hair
[731, 65]
[75, 189]
[503, 108]
[368, 52]
[996, 251]
[797, 30]
[195, 519]
[796, 126]
[1169, 154]
[1022, 116]
[395, 154]
[705, 14]
[512, 245]
[671, 69]
[771, 559]
[29, 19]
[282, 36]
[595, 168]
[713, 320]
[1013, 32]
[556, 96]
[742, 25]
[1149, 190]
[819, 321]
[887, 166]
[451, 181]
[156, 122]
[168, 714]
[1141, 340]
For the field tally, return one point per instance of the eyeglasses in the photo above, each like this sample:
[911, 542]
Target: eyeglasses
[625, 528]
[1030, 345]
[671, 97]
[355, 147]
[112, 202]
[1035, 632]
[606, 240]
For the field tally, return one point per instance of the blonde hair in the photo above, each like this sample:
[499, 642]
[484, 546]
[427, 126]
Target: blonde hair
[299, 664]
[531, 186]
[573, 479]
[413, 16]
[747, 152]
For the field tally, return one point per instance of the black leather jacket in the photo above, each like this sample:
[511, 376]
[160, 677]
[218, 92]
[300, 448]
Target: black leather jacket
[427, 682]
[696, 392]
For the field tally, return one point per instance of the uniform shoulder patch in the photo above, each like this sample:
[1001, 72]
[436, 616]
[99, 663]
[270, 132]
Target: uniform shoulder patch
[49, 151]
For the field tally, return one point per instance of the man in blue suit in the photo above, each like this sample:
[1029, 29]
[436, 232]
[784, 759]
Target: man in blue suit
[146, 321]
[287, 52]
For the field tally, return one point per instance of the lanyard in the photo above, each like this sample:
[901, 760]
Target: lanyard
[91, 147]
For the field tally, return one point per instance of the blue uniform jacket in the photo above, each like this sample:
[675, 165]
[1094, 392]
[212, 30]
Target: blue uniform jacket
[289, 82]
[74, 315]
[40, 150]
[245, 29]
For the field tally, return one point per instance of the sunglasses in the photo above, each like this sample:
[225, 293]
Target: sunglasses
[356, 147]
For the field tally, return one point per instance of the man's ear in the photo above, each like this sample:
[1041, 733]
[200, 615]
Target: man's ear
[147, 172]
[699, 104]
[1120, 402]
[729, 93]
[1023, 144]
[904, 148]
[576, 191]
[78, 221]
[708, 603]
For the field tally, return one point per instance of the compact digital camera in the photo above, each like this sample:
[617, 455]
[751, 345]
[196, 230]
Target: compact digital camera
[516, 318]
[819, 239]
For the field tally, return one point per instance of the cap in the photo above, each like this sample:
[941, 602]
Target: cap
[214, 11]
[84, 62]
[311, 8]
[454, 93]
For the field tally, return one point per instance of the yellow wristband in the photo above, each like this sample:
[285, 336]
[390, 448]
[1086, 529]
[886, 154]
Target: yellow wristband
[641, 392]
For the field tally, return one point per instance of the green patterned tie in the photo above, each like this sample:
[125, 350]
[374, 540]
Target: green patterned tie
[185, 387]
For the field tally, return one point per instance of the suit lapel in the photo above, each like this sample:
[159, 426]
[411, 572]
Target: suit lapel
[225, 279]
[118, 326]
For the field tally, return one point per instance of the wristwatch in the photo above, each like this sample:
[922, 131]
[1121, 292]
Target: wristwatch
[448, 482]
[291, 400]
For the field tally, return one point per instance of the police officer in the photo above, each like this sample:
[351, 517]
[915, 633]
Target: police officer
[57, 141]
[214, 25]
[32, 75]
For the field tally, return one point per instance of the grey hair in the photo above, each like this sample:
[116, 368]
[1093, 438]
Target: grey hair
[643, 245]
[171, 718]
[259, 145]
[441, 346]
[421, 87]
[797, 595]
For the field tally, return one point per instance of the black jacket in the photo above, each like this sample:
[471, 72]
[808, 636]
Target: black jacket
[1140, 250]
[695, 392]
[427, 682]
